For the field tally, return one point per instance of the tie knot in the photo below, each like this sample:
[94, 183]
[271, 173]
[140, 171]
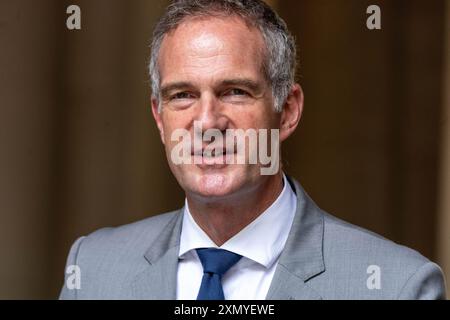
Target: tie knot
[217, 261]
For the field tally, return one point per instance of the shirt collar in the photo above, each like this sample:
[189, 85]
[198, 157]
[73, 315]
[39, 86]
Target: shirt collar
[261, 241]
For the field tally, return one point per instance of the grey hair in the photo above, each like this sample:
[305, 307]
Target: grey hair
[279, 64]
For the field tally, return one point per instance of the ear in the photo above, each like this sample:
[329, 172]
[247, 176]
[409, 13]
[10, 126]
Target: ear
[158, 118]
[292, 112]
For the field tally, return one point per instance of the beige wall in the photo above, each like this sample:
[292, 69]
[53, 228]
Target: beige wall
[273, 3]
[443, 238]
[27, 90]
[368, 147]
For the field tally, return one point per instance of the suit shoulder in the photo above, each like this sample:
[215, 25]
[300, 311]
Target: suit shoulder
[133, 235]
[368, 245]
[354, 257]
[111, 258]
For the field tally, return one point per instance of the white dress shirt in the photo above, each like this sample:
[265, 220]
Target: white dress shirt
[260, 244]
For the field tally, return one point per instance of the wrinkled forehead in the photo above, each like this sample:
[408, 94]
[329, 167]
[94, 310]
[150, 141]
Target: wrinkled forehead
[206, 43]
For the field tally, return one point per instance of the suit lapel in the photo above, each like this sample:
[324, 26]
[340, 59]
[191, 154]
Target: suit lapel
[302, 257]
[287, 286]
[158, 280]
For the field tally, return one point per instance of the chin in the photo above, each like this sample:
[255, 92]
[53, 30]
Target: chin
[214, 183]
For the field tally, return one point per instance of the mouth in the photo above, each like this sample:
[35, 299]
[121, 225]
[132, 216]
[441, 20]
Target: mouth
[211, 153]
[213, 157]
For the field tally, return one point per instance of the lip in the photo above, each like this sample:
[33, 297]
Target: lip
[223, 151]
[216, 162]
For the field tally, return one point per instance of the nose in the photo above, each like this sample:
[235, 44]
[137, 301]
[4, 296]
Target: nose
[210, 114]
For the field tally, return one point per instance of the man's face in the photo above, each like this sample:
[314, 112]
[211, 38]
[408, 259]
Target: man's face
[211, 71]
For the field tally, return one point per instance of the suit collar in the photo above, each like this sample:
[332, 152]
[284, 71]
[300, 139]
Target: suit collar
[303, 252]
[158, 281]
[302, 257]
[168, 238]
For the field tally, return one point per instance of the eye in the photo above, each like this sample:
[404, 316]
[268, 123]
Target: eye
[181, 95]
[236, 92]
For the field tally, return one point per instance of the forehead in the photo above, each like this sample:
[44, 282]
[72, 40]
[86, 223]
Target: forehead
[212, 46]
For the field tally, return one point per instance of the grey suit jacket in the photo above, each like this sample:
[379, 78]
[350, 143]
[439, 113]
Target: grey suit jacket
[324, 258]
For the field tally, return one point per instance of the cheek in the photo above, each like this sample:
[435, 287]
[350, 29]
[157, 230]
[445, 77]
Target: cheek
[247, 117]
[171, 123]
[256, 120]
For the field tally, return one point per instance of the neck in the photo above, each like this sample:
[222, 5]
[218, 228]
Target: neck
[221, 219]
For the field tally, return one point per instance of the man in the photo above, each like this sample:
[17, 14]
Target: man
[247, 231]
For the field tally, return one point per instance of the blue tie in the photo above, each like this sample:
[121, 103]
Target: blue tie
[216, 262]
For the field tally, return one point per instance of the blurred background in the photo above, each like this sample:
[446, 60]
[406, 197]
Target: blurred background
[79, 149]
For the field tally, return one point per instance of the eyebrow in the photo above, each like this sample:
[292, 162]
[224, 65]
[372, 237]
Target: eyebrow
[166, 89]
[252, 85]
